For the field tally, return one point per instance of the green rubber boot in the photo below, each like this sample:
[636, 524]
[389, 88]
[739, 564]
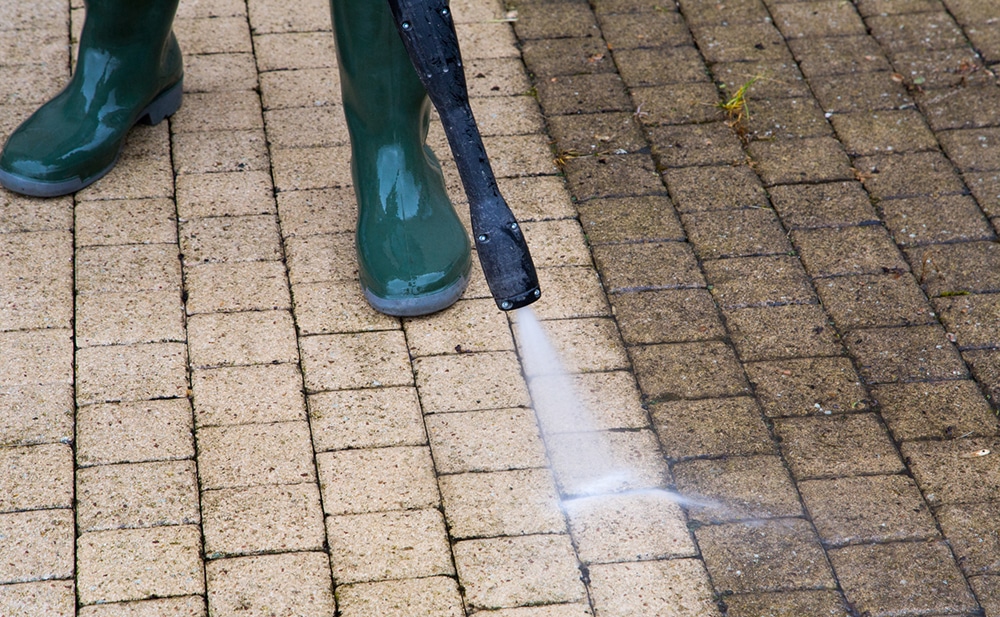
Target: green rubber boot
[129, 70]
[413, 252]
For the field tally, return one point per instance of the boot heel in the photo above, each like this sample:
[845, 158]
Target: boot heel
[164, 105]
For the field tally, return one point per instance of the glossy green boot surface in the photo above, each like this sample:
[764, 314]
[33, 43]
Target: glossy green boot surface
[129, 70]
[414, 254]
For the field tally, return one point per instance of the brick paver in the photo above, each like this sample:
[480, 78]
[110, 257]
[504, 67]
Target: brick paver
[788, 316]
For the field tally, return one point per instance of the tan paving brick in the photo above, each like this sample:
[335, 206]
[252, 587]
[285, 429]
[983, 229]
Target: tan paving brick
[348, 361]
[40, 545]
[137, 495]
[677, 587]
[508, 572]
[294, 50]
[300, 87]
[305, 127]
[134, 432]
[220, 151]
[433, 597]
[321, 211]
[327, 257]
[377, 479]
[468, 326]
[467, 382]
[131, 372]
[808, 386]
[253, 337]
[36, 477]
[337, 307]
[504, 503]
[36, 357]
[388, 545]
[473, 441]
[55, 598]
[602, 401]
[621, 528]
[126, 269]
[711, 426]
[254, 454]
[134, 564]
[213, 35]
[248, 394]
[287, 583]
[583, 345]
[954, 471]
[188, 606]
[232, 110]
[142, 172]
[839, 445]
[234, 287]
[738, 488]
[945, 409]
[36, 414]
[129, 318]
[298, 169]
[688, 370]
[262, 519]
[366, 418]
[129, 221]
[214, 72]
[238, 193]
[786, 603]
[589, 463]
[230, 239]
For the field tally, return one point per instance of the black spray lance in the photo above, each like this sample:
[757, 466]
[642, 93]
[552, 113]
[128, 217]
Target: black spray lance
[428, 33]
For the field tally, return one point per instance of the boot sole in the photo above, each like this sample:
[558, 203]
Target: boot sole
[419, 305]
[163, 106]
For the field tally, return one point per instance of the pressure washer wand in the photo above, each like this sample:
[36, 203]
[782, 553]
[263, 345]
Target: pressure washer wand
[428, 33]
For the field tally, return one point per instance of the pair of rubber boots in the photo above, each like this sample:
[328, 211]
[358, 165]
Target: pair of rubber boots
[413, 252]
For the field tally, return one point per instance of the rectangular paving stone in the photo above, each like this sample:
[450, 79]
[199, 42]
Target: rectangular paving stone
[947, 218]
[987, 590]
[388, 545]
[327, 257]
[230, 239]
[741, 42]
[698, 189]
[248, 394]
[810, 386]
[526, 570]
[36, 357]
[434, 597]
[771, 556]
[583, 346]
[572, 94]
[972, 535]
[570, 292]
[786, 118]
[226, 194]
[504, 503]
[402, 479]
[184, 606]
[660, 66]
[811, 19]
[971, 319]
[612, 175]
[737, 488]
[556, 243]
[137, 495]
[255, 454]
[867, 133]
[220, 151]
[954, 471]
[682, 103]
[568, 56]
[835, 204]
[667, 316]
[234, 287]
[257, 519]
[597, 401]
[216, 35]
[627, 267]
[39, 546]
[127, 269]
[134, 432]
[924, 31]
[773, 332]
[848, 250]
[211, 72]
[55, 598]
[902, 577]
[786, 604]
[129, 318]
[677, 586]
[688, 370]
[868, 509]
[36, 477]
[131, 372]
[473, 441]
[288, 582]
[711, 427]
[335, 307]
[221, 339]
[765, 79]
[735, 233]
[696, 144]
[874, 300]
[366, 418]
[758, 281]
[838, 55]
[36, 414]
[913, 174]
[863, 92]
[134, 564]
[320, 211]
[630, 219]
[911, 353]
[840, 445]
[951, 269]
[593, 462]
[937, 409]
[972, 149]
[349, 361]
[813, 159]
[468, 382]
[130, 221]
